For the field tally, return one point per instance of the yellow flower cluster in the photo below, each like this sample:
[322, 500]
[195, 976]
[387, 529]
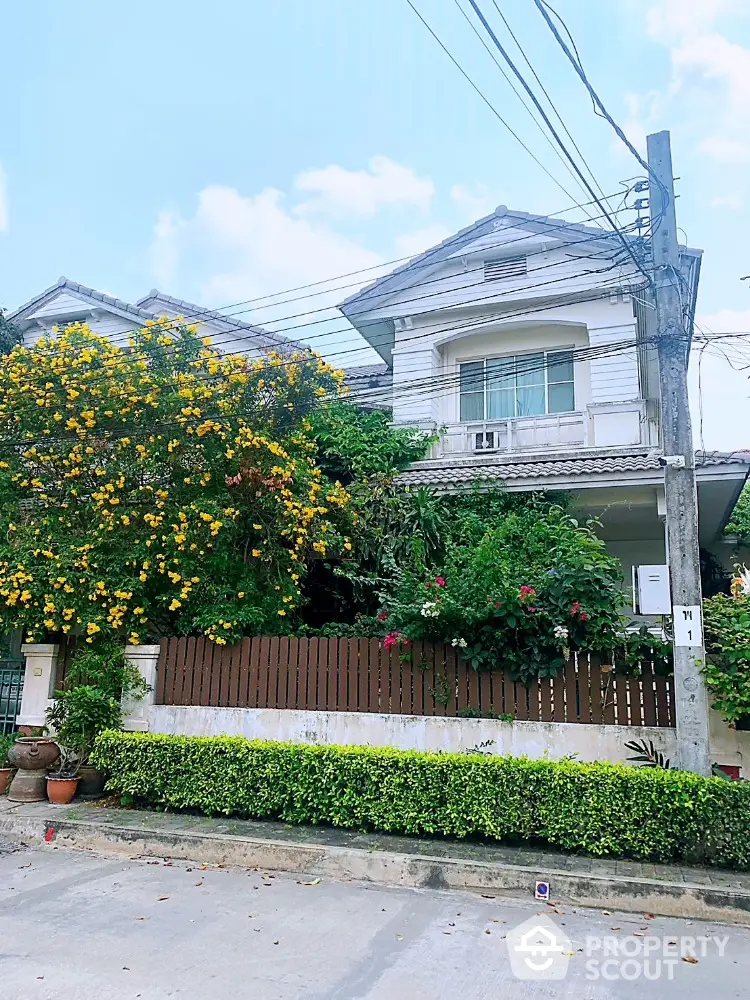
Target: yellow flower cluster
[155, 476]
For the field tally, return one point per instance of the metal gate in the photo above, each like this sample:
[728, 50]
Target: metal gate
[11, 688]
[12, 669]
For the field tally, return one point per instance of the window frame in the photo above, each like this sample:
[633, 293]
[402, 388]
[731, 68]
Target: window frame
[486, 378]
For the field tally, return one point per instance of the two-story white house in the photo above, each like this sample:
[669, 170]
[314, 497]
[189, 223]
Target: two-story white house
[528, 342]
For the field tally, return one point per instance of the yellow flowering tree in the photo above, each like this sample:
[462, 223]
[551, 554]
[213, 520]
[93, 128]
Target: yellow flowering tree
[159, 485]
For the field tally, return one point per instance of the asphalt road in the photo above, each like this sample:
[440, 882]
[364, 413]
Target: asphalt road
[74, 925]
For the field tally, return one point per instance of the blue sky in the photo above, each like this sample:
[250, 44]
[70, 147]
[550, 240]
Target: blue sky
[231, 150]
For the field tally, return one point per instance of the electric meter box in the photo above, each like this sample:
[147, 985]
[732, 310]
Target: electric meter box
[654, 597]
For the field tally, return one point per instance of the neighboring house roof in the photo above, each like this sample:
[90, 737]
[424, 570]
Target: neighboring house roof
[523, 471]
[156, 299]
[368, 372]
[86, 295]
[153, 305]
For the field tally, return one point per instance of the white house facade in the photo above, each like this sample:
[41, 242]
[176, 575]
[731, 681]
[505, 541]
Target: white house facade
[528, 344]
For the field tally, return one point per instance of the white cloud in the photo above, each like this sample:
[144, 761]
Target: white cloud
[705, 60]
[3, 200]
[237, 246]
[336, 190]
[410, 244]
[725, 150]
[730, 200]
[473, 202]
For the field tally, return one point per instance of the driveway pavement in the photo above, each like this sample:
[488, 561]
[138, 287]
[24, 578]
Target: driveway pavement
[74, 925]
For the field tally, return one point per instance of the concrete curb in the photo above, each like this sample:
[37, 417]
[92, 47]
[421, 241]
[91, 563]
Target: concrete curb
[640, 895]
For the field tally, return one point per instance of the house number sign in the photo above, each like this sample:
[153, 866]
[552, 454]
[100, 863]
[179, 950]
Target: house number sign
[688, 629]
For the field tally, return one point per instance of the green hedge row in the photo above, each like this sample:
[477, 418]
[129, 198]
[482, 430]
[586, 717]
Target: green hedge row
[603, 809]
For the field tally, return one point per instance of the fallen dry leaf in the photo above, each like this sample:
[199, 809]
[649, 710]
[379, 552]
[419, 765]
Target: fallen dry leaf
[614, 928]
[638, 934]
[690, 959]
[606, 913]
[399, 937]
[485, 896]
[199, 883]
[314, 881]
[162, 898]
[648, 916]
[141, 918]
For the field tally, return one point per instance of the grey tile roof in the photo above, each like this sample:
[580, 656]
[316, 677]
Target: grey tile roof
[539, 224]
[429, 474]
[367, 371]
[83, 292]
[195, 312]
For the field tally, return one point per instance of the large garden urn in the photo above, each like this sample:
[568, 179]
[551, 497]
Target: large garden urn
[32, 755]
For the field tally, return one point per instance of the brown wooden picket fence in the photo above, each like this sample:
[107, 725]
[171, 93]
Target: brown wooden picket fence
[360, 675]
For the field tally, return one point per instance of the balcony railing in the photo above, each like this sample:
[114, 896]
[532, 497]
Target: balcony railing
[559, 430]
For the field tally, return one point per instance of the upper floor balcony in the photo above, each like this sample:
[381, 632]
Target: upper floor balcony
[598, 425]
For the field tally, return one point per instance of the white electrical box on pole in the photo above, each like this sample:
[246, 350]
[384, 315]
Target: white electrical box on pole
[673, 348]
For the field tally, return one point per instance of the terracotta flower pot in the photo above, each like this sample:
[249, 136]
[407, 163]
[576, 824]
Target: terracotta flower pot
[5, 775]
[60, 791]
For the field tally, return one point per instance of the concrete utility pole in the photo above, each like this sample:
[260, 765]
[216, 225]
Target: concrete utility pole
[673, 348]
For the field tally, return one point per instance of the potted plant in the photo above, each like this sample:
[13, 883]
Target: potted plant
[6, 770]
[62, 783]
[91, 703]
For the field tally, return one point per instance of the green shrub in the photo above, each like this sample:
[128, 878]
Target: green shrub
[603, 809]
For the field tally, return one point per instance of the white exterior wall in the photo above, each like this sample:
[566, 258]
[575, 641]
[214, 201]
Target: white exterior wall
[412, 732]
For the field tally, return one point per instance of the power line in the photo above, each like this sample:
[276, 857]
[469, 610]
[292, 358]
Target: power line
[135, 357]
[515, 90]
[230, 336]
[546, 94]
[575, 61]
[551, 127]
[486, 100]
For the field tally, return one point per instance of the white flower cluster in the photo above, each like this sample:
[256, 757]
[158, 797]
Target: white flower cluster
[430, 610]
[561, 632]
[461, 643]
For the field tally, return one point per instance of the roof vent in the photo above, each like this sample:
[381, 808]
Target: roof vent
[506, 267]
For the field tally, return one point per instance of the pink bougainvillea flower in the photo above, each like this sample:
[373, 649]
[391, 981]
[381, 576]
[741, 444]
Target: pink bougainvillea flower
[440, 581]
[532, 609]
[575, 608]
[526, 592]
[583, 616]
[382, 616]
[498, 604]
[393, 638]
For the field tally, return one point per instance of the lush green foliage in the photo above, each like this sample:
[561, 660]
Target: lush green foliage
[97, 681]
[602, 809]
[6, 742]
[727, 633]
[520, 596]
[356, 444]
[159, 486]
[9, 335]
[739, 522]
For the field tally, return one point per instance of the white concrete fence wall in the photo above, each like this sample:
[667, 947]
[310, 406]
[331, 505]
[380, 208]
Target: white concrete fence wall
[407, 732]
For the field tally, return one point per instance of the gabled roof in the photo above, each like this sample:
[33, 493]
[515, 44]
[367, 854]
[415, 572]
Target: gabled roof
[87, 295]
[197, 313]
[418, 268]
[151, 306]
